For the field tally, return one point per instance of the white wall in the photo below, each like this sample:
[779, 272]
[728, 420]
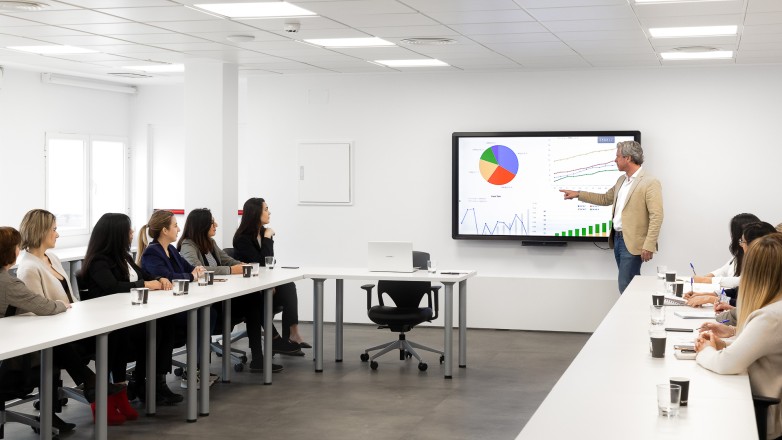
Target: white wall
[710, 136]
[28, 110]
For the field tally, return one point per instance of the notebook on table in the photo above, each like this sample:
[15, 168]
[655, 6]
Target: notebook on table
[694, 314]
[390, 256]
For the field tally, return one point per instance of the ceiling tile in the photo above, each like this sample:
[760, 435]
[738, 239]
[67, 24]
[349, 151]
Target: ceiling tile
[498, 28]
[14, 40]
[686, 9]
[6, 21]
[481, 17]
[90, 57]
[699, 20]
[553, 62]
[187, 47]
[83, 40]
[169, 13]
[41, 31]
[161, 37]
[377, 20]
[158, 57]
[760, 18]
[352, 7]
[306, 23]
[381, 53]
[124, 49]
[601, 35]
[760, 38]
[704, 41]
[516, 38]
[91, 4]
[624, 62]
[615, 12]
[215, 25]
[612, 46]
[116, 28]
[222, 37]
[533, 49]
[775, 46]
[590, 25]
[410, 31]
[567, 3]
[762, 30]
[764, 6]
[69, 16]
[460, 5]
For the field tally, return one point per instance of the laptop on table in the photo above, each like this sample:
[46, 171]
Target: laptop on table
[391, 256]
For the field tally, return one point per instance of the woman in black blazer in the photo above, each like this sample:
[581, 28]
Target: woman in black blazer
[108, 268]
[253, 242]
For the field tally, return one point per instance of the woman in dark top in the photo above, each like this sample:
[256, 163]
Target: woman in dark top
[199, 248]
[254, 242]
[160, 257]
[108, 268]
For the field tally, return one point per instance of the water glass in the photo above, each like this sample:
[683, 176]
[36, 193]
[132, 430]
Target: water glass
[668, 399]
[657, 314]
[137, 296]
[256, 269]
[661, 271]
[181, 287]
[431, 266]
[270, 262]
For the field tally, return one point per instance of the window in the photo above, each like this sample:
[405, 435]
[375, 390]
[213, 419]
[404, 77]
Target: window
[86, 176]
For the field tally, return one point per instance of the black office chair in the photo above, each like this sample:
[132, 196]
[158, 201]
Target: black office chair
[761, 413]
[18, 379]
[406, 314]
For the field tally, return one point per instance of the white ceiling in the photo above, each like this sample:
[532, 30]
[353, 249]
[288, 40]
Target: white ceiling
[489, 34]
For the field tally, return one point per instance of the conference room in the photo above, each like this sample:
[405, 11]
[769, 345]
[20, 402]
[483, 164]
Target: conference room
[82, 134]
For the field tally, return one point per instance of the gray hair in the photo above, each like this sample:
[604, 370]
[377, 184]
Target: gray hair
[632, 149]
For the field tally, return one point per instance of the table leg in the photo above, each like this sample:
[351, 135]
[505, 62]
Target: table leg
[151, 379]
[267, 336]
[192, 401]
[203, 392]
[226, 341]
[318, 323]
[46, 392]
[463, 324]
[448, 329]
[101, 386]
[340, 320]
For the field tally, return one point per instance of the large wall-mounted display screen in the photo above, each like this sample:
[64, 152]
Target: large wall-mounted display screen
[506, 185]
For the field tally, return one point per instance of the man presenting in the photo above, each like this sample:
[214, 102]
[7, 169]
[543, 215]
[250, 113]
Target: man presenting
[638, 211]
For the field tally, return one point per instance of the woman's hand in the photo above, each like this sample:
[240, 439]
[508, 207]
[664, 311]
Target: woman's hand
[236, 269]
[709, 339]
[718, 329]
[153, 285]
[268, 233]
[721, 307]
[197, 272]
[699, 300]
[165, 284]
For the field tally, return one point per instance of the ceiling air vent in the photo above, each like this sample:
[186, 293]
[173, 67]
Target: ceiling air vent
[430, 41]
[22, 5]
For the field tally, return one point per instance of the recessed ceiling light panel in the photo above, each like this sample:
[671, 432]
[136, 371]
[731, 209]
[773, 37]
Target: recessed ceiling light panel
[52, 49]
[427, 62]
[428, 41]
[695, 31]
[255, 10]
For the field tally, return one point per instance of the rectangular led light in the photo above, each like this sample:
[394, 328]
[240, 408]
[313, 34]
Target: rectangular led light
[159, 68]
[255, 10]
[429, 62]
[711, 55]
[350, 42]
[675, 1]
[697, 31]
[52, 49]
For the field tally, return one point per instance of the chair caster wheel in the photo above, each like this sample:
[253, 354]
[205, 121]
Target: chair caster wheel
[219, 355]
[442, 359]
[422, 366]
[408, 354]
[37, 403]
[364, 357]
[373, 365]
[179, 371]
[244, 359]
[239, 368]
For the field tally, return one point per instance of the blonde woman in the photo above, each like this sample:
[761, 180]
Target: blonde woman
[757, 346]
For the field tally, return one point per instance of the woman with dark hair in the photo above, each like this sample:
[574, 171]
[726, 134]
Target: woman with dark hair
[727, 276]
[198, 247]
[253, 242]
[108, 268]
[751, 231]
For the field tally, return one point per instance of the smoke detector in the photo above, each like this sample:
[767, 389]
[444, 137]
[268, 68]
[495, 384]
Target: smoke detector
[22, 5]
[292, 26]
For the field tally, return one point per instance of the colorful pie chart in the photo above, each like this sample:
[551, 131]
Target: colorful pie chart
[499, 165]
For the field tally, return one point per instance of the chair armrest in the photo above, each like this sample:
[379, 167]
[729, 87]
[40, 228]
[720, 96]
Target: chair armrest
[435, 290]
[368, 288]
[764, 401]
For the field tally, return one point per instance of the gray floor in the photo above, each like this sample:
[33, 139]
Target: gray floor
[509, 373]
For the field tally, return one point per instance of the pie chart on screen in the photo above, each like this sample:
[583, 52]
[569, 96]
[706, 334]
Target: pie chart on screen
[499, 165]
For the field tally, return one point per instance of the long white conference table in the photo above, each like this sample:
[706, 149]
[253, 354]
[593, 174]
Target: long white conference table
[98, 317]
[608, 392]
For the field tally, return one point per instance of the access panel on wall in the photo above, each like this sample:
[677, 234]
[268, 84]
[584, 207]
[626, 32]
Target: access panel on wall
[325, 173]
[506, 185]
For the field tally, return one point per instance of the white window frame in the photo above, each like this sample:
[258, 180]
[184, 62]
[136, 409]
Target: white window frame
[88, 140]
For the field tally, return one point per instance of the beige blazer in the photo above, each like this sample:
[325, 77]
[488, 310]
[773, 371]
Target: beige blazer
[39, 279]
[642, 215]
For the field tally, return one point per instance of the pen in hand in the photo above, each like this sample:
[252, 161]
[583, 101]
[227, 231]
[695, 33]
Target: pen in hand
[692, 266]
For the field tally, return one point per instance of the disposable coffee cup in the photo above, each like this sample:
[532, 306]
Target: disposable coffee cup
[658, 299]
[210, 277]
[137, 296]
[679, 288]
[657, 340]
[685, 384]
[670, 277]
[181, 287]
[247, 271]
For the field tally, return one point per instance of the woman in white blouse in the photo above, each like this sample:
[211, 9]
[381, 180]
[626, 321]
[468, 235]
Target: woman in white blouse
[757, 340]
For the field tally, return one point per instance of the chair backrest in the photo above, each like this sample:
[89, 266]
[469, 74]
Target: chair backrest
[407, 294]
[231, 252]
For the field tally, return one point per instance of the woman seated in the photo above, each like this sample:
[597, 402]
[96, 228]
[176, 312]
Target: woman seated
[43, 274]
[253, 242]
[108, 269]
[198, 247]
[160, 258]
[750, 232]
[727, 275]
[757, 346]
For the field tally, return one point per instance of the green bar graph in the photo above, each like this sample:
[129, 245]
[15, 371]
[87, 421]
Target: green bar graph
[584, 231]
[570, 233]
[604, 228]
[576, 232]
[556, 234]
[591, 230]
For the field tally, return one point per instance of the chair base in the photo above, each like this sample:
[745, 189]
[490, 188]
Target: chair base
[25, 419]
[404, 346]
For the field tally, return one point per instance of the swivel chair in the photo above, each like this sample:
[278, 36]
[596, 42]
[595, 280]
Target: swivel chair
[761, 404]
[405, 315]
[18, 379]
